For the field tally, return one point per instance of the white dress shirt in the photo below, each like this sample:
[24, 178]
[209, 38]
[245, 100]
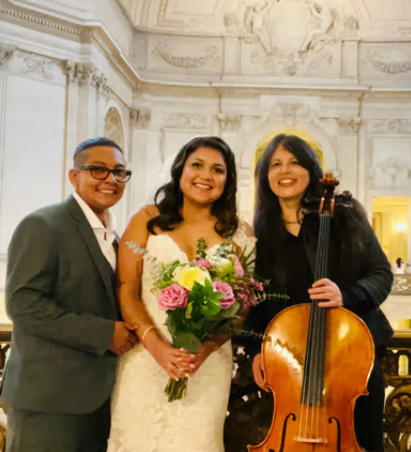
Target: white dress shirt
[104, 235]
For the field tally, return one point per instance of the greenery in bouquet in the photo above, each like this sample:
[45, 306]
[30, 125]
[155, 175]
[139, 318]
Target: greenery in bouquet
[204, 297]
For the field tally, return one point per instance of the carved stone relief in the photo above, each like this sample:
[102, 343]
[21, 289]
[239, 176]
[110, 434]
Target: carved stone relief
[113, 127]
[391, 173]
[6, 53]
[86, 74]
[292, 113]
[391, 126]
[349, 126]
[202, 57]
[380, 63]
[18, 62]
[229, 122]
[308, 45]
[383, 60]
[184, 121]
[141, 117]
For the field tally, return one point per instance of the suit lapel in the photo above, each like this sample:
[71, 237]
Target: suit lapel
[93, 246]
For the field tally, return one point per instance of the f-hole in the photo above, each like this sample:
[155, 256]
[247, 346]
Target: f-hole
[293, 417]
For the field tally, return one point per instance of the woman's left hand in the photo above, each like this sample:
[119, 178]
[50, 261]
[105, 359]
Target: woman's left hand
[326, 290]
[203, 353]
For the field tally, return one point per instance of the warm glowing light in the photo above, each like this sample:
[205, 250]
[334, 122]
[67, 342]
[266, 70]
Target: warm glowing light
[401, 227]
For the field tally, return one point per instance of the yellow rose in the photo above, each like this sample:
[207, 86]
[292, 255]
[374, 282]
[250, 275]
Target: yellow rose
[187, 276]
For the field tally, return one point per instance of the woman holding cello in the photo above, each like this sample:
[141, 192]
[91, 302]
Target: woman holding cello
[323, 263]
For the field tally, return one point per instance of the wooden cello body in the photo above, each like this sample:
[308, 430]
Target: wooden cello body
[317, 362]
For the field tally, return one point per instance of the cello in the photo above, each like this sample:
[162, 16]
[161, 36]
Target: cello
[314, 366]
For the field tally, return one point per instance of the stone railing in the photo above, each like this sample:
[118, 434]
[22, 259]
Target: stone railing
[397, 375]
[402, 285]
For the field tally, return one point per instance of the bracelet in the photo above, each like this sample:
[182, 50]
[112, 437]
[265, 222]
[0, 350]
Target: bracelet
[145, 333]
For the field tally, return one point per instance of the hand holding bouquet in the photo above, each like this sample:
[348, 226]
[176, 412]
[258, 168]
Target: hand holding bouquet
[203, 298]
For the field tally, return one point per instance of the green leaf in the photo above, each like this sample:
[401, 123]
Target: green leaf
[230, 312]
[187, 341]
[189, 310]
[175, 321]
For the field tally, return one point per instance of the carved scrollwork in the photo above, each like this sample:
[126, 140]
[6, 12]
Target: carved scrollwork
[84, 74]
[349, 126]
[141, 117]
[402, 285]
[230, 122]
[391, 126]
[184, 121]
[6, 53]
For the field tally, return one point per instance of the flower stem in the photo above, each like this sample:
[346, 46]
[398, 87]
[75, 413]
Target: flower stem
[176, 390]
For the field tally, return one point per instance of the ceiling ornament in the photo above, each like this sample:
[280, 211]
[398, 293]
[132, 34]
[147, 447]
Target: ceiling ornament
[306, 43]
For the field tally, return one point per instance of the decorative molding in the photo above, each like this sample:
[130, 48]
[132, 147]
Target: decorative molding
[6, 53]
[16, 61]
[186, 62]
[293, 112]
[391, 126]
[230, 122]
[141, 117]
[184, 121]
[84, 74]
[349, 126]
[376, 60]
[18, 12]
[391, 174]
[163, 21]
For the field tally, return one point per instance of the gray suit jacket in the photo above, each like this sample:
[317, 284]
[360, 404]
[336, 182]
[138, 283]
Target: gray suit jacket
[60, 295]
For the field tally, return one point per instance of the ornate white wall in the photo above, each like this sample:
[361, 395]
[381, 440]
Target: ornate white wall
[171, 69]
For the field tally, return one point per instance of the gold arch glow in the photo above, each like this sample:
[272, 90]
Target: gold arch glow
[312, 142]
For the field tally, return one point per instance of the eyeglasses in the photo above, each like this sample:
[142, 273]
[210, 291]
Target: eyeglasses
[102, 172]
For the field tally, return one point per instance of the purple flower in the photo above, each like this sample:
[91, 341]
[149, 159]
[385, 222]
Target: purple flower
[203, 263]
[228, 294]
[173, 297]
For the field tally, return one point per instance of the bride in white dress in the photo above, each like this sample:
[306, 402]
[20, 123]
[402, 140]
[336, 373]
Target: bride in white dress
[198, 202]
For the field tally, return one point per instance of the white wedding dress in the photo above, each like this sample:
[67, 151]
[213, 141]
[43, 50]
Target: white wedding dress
[142, 418]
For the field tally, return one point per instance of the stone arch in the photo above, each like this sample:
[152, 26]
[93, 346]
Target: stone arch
[271, 126]
[314, 144]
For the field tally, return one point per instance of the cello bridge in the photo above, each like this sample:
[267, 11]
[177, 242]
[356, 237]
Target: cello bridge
[300, 439]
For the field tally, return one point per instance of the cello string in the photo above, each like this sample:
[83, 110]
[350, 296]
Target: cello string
[316, 376]
[305, 401]
[323, 313]
[312, 344]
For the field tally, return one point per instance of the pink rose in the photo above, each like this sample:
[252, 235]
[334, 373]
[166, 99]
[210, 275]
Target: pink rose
[228, 298]
[237, 266]
[173, 297]
[203, 263]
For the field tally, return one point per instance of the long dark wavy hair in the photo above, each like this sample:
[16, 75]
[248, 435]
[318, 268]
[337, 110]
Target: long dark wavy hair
[270, 231]
[169, 197]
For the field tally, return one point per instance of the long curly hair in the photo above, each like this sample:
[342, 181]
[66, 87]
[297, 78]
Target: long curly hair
[270, 230]
[169, 197]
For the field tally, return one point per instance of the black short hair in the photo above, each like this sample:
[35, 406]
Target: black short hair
[92, 143]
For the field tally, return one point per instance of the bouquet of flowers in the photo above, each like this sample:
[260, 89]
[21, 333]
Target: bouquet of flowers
[203, 298]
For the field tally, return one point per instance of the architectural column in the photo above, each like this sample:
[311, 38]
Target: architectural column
[84, 83]
[3, 107]
[348, 158]
[140, 122]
